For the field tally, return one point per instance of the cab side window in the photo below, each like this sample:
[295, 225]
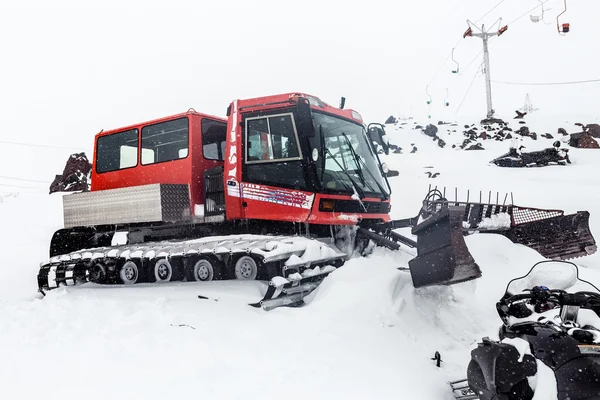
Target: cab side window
[271, 139]
[214, 136]
[165, 141]
[272, 152]
[117, 151]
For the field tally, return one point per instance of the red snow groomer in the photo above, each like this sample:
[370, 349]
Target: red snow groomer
[285, 189]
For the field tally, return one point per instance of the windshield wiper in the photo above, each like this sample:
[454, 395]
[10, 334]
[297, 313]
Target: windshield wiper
[358, 160]
[358, 192]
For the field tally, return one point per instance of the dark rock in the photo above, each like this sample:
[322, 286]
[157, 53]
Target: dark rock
[593, 130]
[465, 143]
[562, 131]
[476, 146]
[520, 114]
[523, 131]
[441, 143]
[391, 120]
[522, 122]
[547, 136]
[471, 134]
[418, 127]
[431, 131]
[75, 176]
[483, 135]
[508, 136]
[583, 141]
[490, 121]
[414, 149]
[466, 126]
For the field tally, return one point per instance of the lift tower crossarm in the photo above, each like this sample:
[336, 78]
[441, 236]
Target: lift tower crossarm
[485, 36]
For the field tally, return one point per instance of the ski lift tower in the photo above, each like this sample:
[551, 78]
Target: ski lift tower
[528, 107]
[485, 36]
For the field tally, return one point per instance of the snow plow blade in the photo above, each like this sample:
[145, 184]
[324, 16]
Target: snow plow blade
[443, 257]
[558, 238]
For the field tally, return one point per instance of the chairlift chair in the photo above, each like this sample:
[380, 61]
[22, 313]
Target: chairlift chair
[538, 18]
[564, 27]
[457, 68]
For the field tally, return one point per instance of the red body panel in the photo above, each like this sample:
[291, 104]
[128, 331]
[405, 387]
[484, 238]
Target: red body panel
[233, 165]
[341, 218]
[277, 204]
[188, 170]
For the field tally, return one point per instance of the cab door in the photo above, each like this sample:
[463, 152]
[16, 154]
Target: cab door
[274, 179]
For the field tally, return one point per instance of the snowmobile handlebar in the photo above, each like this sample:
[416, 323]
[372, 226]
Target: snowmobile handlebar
[539, 295]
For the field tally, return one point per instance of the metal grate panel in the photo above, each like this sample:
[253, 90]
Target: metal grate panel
[146, 203]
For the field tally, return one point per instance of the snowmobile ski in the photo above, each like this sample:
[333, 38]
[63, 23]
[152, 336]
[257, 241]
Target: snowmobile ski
[462, 391]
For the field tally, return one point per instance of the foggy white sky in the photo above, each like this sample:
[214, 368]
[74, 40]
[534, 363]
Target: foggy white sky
[68, 71]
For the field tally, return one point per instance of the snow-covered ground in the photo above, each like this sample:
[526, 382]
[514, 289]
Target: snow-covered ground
[367, 334]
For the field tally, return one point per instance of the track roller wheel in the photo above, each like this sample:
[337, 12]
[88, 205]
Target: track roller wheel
[202, 269]
[129, 273]
[163, 271]
[98, 273]
[246, 269]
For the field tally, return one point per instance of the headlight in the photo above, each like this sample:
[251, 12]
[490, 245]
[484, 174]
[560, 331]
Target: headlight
[385, 168]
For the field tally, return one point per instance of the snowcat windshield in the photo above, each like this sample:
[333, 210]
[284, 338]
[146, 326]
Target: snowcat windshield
[345, 158]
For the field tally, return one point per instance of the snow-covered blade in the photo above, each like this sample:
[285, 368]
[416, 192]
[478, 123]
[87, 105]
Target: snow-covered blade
[292, 291]
[443, 257]
[561, 237]
[550, 232]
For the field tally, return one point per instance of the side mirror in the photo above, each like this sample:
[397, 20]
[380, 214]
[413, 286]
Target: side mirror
[342, 103]
[377, 134]
[304, 122]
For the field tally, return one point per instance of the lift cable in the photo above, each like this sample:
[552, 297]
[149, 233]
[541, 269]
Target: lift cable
[22, 179]
[493, 8]
[41, 145]
[547, 83]
[20, 186]
[527, 13]
[468, 90]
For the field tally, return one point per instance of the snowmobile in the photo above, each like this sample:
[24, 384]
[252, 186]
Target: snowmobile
[515, 158]
[549, 340]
